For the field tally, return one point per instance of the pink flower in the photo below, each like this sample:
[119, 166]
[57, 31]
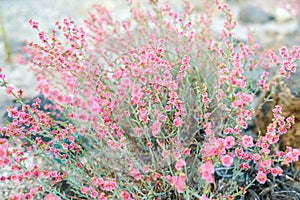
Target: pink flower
[179, 164]
[292, 155]
[102, 196]
[28, 196]
[171, 179]
[70, 82]
[165, 154]
[180, 183]
[279, 171]
[14, 178]
[125, 195]
[94, 193]
[177, 154]
[245, 166]
[261, 177]
[186, 151]
[247, 141]
[228, 130]
[138, 131]
[229, 142]
[65, 146]
[206, 171]
[9, 90]
[156, 128]
[227, 160]
[277, 109]
[271, 129]
[265, 164]
[143, 115]
[291, 120]
[108, 185]
[177, 122]
[85, 190]
[282, 130]
[135, 173]
[168, 108]
[205, 98]
[34, 24]
[51, 197]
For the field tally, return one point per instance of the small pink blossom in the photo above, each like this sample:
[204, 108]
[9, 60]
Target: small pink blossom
[186, 151]
[94, 193]
[165, 154]
[245, 166]
[247, 141]
[28, 196]
[108, 185]
[177, 122]
[228, 130]
[279, 171]
[206, 171]
[180, 183]
[277, 109]
[125, 195]
[179, 164]
[229, 142]
[9, 90]
[34, 24]
[135, 173]
[14, 178]
[171, 179]
[102, 196]
[261, 177]
[227, 160]
[156, 128]
[177, 154]
[85, 190]
[51, 197]
[143, 115]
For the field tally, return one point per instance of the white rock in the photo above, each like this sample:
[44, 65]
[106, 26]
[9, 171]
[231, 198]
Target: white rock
[282, 15]
[254, 14]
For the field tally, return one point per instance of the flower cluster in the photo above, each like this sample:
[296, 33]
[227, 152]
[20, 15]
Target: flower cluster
[129, 100]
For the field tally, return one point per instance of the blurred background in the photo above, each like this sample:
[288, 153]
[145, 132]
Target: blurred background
[272, 22]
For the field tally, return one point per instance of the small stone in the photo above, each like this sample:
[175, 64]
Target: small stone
[253, 14]
[287, 95]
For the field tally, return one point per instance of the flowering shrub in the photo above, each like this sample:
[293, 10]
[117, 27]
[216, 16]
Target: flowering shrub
[146, 108]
